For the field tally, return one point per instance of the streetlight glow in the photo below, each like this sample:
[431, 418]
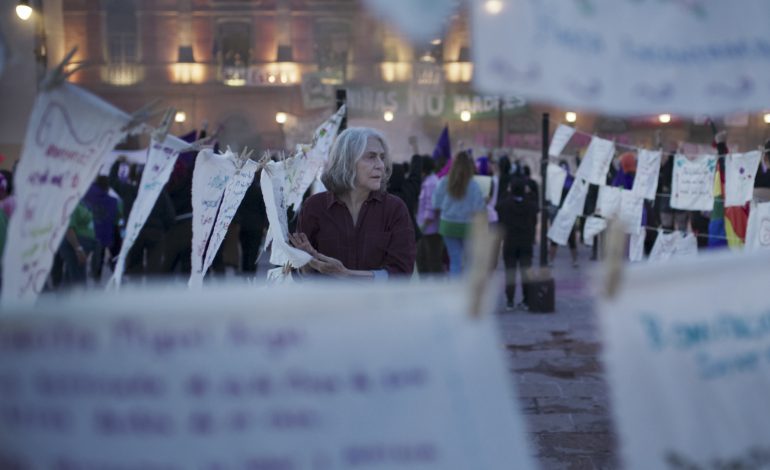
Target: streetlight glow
[388, 116]
[23, 10]
[493, 7]
[570, 116]
[767, 118]
[280, 118]
[180, 116]
[664, 118]
[465, 116]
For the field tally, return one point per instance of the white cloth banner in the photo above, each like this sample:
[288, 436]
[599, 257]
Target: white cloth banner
[593, 226]
[692, 184]
[740, 173]
[687, 365]
[69, 132]
[758, 230]
[210, 178]
[420, 21]
[308, 163]
[273, 181]
[160, 162]
[608, 201]
[561, 227]
[631, 211]
[686, 246]
[231, 199]
[582, 55]
[576, 197]
[596, 161]
[559, 140]
[647, 172]
[665, 246]
[290, 377]
[555, 177]
[562, 224]
[636, 246]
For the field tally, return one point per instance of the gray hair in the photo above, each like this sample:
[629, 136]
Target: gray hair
[339, 176]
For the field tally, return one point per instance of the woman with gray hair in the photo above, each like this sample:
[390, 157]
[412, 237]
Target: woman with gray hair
[356, 229]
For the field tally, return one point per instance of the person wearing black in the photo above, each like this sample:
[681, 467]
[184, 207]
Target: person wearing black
[253, 219]
[517, 216]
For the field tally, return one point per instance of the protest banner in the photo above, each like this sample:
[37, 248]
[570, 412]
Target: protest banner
[235, 189]
[740, 173]
[210, 178]
[608, 201]
[69, 132]
[317, 376]
[161, 157]
[686, 246]
[592, 54]
[692, 184]
[555, 177]
[758, 230]
[593, 227]
[562, 224]
[273, 182]
[688, 365]
[647, 172]
[631, 211]
[664, 247]
[596, 161]
[308, 161]
[636, 246]
[485, 184]
[559, 140]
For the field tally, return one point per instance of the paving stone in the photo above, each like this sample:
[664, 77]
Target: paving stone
[575, 443]
[570, 405]
[551, 423]
[530, 390]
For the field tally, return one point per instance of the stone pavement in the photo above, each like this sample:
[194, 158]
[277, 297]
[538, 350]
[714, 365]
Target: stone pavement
[558, 375]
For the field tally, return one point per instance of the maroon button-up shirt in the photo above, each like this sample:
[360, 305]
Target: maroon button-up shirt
[383, 238]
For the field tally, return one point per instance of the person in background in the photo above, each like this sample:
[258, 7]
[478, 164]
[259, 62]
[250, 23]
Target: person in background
[518, 218]
[7, 198]
[79, 242]
[407, 188]
[762, 181]
[430, 247]
[104, 209]
[355, 229]
[253, 219]
[457, 199]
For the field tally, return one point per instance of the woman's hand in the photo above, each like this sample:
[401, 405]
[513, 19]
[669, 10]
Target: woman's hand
[329, 266]
[300, 241]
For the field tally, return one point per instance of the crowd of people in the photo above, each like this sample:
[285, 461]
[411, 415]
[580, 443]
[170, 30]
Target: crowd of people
[377, 219]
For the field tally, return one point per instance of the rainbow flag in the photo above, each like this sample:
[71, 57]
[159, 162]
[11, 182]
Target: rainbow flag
[727, 226]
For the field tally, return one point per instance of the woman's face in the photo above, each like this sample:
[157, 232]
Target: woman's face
[370, 168]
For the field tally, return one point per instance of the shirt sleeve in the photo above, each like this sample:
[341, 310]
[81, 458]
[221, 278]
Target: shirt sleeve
[401, 251]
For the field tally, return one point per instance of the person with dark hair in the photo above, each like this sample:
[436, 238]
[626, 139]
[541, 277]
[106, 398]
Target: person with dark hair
[430, 247]
[518, 218]
[106, 213]
[253, 219]
[457, 198]
[407, 188]
[356, 229]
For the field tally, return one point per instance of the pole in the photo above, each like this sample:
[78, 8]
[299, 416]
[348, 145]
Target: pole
[543, 208]
[342, 97]
[500, 123]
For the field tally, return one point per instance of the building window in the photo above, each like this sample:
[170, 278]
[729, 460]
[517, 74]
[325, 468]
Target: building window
[121, 31]
[233, 50]
[332, 44]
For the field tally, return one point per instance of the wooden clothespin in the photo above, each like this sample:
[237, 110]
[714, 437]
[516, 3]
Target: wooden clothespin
[616, 248]
[56, 76]
[142, 115]
[243, 157]
[483, 244]
[160, 133]
[199, 144]
[262, 162]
